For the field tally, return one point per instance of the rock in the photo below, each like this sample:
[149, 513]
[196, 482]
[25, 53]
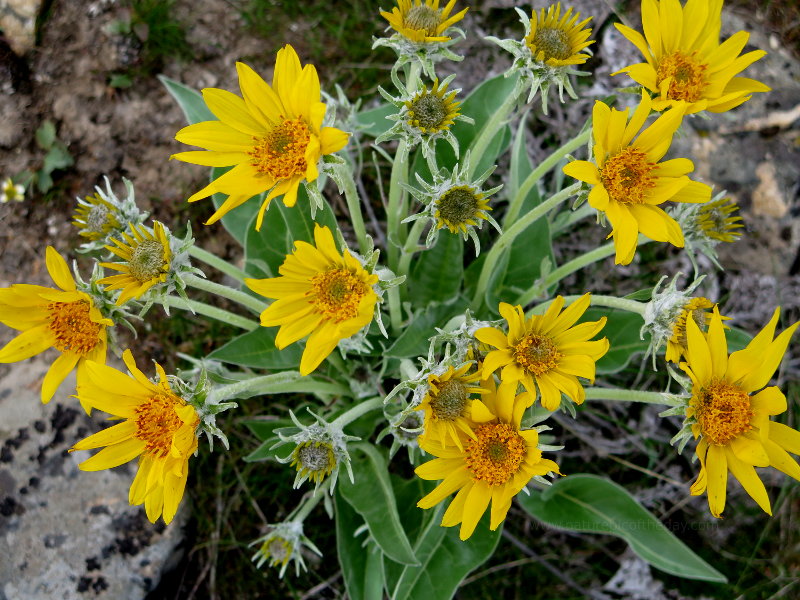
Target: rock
[18, 22]
[65, 533]
[767, 197]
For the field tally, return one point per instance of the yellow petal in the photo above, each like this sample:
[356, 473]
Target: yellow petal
[785, 437]
[106, 437]
[58, 371]
[717, 468]
[113, 456]
[27, 344]
[59, 271]
[750, 481]
[232, 110]
[475, 505]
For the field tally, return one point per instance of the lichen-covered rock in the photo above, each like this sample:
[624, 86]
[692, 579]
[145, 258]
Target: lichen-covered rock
[18, 22]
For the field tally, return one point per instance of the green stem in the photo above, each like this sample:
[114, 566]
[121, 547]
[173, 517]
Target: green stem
[489, 130]
[411, 247]
[215, 261]
[395, 308]
[211, 311]
[618, 395]
[242, 298]
[286, 382]
[571, 218]
[353, 205]
[310, 501]
[544, 167]
[596, 300]
[357, 411]
[394, 210]
[510, 234]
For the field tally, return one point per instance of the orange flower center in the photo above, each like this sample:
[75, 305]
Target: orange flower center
[157, 422]
[626, 176]
[496, 455]
[686, 75]
[536, 354]
[337, 294]
[72, 327]
[450, 401]
[422, 18]
[552, 42]
[723, 412]
[281, 154]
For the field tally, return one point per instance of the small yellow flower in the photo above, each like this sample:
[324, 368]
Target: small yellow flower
[95, 218]
[491, 465]
[448, 407]
[314, 460]
[147, 259]
[732, 417]
[432, 111]
[320, 292]
[717, 220]
[697, 310]
[65, 319]
[423, 22]
[10, 191]
[630, 182]
[686, 62]
[157, 425]
[273, 135]
[557, 40]
[546, 351]
[460, 207]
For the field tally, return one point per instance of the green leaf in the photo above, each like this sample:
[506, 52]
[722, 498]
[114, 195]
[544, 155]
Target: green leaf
[256, 349]
[414, 339]
[265, 431]
[46, 135]
[737, 339]
[189, 99]
[593, 504]
[266, 250]
[120, 81]
[43, 181]
[374, 121]
[362, 568]
[437, 273]
[58, 157]
[622, 331]
[373, 498]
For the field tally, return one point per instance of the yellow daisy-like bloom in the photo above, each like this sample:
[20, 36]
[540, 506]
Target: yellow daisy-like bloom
[421, 21]
[96, 218]
[158, 426]
[273, 135]
[686, 62]
[546, 351]
[432, 111]
[630, 182]
[732, 417]
[320, 292]
[557, 40]
[448, 407]
[65, 319]
[697, 310]
[460, 207]
[147, 259]
[492, 465]
[718, 222]
[316, 460]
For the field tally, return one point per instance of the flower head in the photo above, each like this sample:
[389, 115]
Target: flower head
[67, 319]
[730, 409]
[320, 293]
[552, 46]
[705, 226]
[628, 180]
[103, 215]
[685, 62]
[548, 351]
[493, 464]
[11, 192]
[273, 136]
[282, 545]
[157, 425]
[422, 21]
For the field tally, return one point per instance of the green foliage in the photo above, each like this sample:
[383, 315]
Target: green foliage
[56, 158]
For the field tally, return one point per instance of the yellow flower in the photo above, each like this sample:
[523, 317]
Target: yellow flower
[273, 135]
[447, 405]
[320, 292]
[493, 464]
[460, 207]
[95, 217]
[546, 349]
[432, 111]
[732, 421]
[718, 222]
[686, 62]
[147, 259]
[423, 22]
[314, 460]
[157, 425]
[695, 309]
[628, 180]
[557, 40]
[65, 319]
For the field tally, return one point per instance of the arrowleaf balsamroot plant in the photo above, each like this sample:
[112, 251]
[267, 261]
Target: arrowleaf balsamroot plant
[397, 336]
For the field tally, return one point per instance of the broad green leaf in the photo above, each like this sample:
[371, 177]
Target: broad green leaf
[58, 157]
[256, 349]
[265, 431]
[414, 339]
[737, 339]
[362, 566]
[593, 504]
[436, 274]
[46, 135]
[374, 121]
[266, 250]
[189, 99]
[622, 331]
[373, 498]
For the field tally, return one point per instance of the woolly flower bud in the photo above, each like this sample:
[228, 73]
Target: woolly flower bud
[282, 545]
